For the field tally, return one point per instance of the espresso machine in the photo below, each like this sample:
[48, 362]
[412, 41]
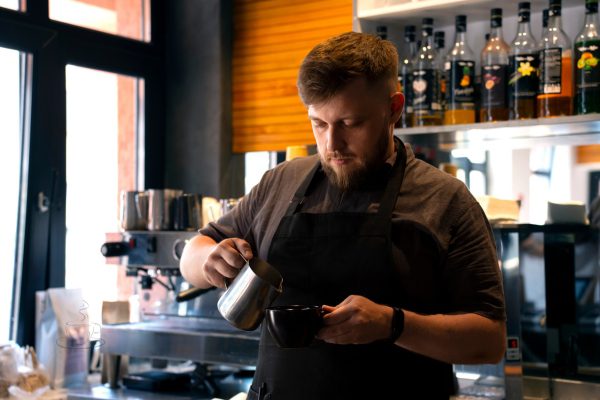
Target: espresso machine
[176, 323]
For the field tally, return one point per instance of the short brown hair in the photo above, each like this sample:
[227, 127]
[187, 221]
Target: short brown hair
[334, 63]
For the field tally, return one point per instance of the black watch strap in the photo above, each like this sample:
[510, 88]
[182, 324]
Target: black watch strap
[397, 324]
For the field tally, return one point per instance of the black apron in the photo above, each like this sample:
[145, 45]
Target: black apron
[323, 259]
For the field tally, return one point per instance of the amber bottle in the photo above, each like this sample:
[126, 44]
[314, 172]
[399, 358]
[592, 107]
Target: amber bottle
[556, 68]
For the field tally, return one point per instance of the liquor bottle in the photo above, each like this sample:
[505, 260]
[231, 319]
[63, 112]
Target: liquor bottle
[460, 73]
[524, 79]
[439, 39]
[405, 70]
[381, 31]
[587, 55]
[494, 73]
[556, 66]
[425, 84]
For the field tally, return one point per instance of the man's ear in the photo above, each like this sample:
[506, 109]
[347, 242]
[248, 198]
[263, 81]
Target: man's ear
[397, 106]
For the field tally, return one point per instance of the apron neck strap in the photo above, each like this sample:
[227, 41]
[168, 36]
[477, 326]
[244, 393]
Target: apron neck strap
[388, 200]
[298, 198]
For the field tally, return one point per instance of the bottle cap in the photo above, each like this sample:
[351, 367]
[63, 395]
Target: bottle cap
[591, 6]
[427, 26]
[409, 33]
[524, 11]
[439, 39]
[496, 18]
[555, 8]
[461, 23]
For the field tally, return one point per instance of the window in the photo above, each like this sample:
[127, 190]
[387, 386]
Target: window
[128, 18]
[57, 146]
[12, 4]
[11, 150]
[101, 161]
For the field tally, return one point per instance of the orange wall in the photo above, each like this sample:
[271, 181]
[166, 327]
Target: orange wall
[271, 37]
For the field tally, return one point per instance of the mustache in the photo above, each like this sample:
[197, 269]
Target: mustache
[336, 155]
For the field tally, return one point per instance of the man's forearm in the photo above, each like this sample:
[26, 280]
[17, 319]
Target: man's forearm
[194, 256]
[455, 339]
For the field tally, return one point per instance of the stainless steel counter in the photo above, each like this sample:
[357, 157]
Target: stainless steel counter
[205, 340]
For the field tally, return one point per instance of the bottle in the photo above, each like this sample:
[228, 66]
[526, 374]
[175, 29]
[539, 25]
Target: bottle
[587, 55]
[494, 73]
[405, 75]
[381, 31]
[439, 39]
[556, 68]
[425, 85]
[523, 83]
[460, 74]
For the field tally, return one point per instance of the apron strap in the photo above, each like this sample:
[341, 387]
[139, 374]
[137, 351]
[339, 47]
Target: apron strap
[298, 198]
[388, 200]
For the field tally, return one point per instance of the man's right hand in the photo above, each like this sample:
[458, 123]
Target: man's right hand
[225, 260]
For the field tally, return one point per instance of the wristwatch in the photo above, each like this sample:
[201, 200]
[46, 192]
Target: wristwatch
[397, 324]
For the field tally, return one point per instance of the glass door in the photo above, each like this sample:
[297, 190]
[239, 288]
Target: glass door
[13, 114]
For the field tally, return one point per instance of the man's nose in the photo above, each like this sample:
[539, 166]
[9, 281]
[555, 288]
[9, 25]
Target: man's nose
[335, 140]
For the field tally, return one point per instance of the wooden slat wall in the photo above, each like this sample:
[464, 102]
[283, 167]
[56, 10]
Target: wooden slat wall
[588, 154]
[271, 37]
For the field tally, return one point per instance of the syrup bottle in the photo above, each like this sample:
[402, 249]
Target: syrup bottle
[556, 67]
[460, 75]
[523, 84]
[494, 73]
[587, 56]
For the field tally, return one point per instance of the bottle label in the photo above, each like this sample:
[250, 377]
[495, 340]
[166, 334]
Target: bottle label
[461, 82]
[425, 91]
[587, 74]
[524, 76]
[493, 85]
[551, 71]
[405, 81]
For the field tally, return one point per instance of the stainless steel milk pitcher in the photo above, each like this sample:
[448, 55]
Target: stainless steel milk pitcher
[256, 286]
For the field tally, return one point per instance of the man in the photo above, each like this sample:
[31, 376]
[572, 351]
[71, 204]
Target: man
[399, 254]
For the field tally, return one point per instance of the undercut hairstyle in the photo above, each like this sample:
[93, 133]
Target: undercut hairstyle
[334, 63]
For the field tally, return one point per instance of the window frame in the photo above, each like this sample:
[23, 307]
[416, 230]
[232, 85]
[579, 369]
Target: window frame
[53, 45]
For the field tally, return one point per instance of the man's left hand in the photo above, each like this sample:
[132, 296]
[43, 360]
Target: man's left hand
[356, 320]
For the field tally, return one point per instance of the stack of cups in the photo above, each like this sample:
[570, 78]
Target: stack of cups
[134, 210]
[161, 210]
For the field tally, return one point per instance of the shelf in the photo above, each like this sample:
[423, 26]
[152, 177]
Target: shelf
[580, 129]
[442, 11]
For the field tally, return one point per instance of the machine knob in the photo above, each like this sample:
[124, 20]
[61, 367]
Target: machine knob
[114, 249]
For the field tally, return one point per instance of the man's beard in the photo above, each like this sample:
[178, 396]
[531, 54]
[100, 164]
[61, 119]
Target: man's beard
[355, 175]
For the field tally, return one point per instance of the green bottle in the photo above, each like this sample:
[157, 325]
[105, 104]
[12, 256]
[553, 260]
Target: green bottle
[587, 57]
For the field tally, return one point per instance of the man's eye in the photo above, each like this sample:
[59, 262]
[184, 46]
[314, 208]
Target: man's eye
[318, 124]
[352, 124]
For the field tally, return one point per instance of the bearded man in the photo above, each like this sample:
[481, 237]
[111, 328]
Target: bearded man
[399, 254]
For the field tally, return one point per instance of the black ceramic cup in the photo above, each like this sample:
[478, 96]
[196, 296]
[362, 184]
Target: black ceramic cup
[294, 325]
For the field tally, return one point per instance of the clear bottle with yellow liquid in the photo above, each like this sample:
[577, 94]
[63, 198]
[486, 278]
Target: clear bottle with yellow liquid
[524, 78]
[460, 78]
[556, 67]
[427, 108]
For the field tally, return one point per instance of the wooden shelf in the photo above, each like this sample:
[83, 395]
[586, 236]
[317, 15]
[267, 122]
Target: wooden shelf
[575, 130]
